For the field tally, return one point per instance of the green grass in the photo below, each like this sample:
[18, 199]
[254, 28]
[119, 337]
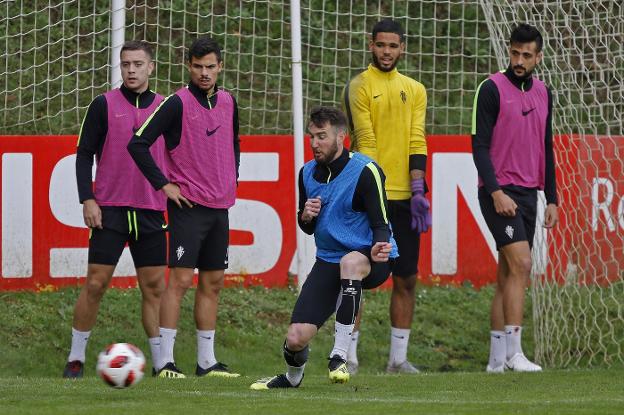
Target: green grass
[552, 392]
[449, 340]
[450, 330]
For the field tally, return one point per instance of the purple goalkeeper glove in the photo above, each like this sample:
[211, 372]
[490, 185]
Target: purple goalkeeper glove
[419, 207]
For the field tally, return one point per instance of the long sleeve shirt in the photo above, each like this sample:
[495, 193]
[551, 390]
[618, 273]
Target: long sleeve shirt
[486, 110]
[93, 134]
[167, 120]
[386, 112]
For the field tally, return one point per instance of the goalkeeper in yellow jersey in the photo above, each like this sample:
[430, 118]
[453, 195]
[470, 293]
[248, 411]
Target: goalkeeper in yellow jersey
[386, 112]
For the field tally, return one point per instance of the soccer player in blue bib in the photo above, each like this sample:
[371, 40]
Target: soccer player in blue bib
[342, 202]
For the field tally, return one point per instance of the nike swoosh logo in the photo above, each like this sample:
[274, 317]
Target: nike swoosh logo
[204, 337]
[119, 115]
[160, 335]
[400, 337]
[164, 226]
[525, 113]
[211, 132]
[377, 96]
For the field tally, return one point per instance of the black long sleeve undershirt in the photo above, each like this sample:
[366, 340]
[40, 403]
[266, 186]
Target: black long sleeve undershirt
[550, 177]
[93, 136]
[167, 121]
[487, 108]
[418, 162]
[365, 199]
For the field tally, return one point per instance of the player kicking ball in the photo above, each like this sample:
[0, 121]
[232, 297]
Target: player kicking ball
[342, 202]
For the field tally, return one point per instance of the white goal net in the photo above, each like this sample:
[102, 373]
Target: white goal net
[56, 58]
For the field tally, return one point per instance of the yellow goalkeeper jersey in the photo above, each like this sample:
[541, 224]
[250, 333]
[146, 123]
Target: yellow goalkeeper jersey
[386, 112]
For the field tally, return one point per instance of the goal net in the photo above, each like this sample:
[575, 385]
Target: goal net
[57, 56]
[56, 59]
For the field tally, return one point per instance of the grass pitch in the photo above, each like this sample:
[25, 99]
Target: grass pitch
[449, 341]
[550, 392]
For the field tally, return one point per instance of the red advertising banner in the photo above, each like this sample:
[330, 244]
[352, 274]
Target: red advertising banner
[590, 244]
[44, 240]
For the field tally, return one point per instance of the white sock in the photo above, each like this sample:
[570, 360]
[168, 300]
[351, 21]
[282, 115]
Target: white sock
[342, 339]
[352, 352]
[154, 344]
[513, 338]
[498, 348]
[205, 348]
[399, 339]
[78, 345]
[294, 374]
[167, 341]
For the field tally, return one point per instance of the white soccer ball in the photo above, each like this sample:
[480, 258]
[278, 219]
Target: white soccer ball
[121, 365]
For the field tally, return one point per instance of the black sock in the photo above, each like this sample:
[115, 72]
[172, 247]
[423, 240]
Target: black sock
[296, 359]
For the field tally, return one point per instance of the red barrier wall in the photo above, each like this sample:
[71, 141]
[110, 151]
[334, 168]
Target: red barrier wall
[44, 241]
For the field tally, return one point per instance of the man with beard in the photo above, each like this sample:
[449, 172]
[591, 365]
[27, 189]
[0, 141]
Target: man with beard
[386, 113]
[342, 202]
[200, 126]
[513, 152]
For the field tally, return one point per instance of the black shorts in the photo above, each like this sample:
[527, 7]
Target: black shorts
[319, 294]
[408, 240]
[198, 237]
[507, 230]
[142, 229]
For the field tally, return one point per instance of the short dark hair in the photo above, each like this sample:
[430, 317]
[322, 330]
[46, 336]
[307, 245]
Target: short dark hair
[388, 26]
[138, 45]
[524, 33]
[320, 115]
[203, 46]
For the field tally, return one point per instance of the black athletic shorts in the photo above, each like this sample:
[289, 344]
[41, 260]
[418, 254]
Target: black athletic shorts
[408, 240]
[144, 231]
[506, 229]
[319, 295]
[198, 237]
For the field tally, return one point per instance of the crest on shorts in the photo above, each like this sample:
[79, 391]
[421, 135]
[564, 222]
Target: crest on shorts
[180, 252]
[509, 230]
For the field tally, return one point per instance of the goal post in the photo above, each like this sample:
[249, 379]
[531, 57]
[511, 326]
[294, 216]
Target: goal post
[118, 32]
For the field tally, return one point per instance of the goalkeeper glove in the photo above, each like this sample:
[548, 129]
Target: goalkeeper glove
[419, 207]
